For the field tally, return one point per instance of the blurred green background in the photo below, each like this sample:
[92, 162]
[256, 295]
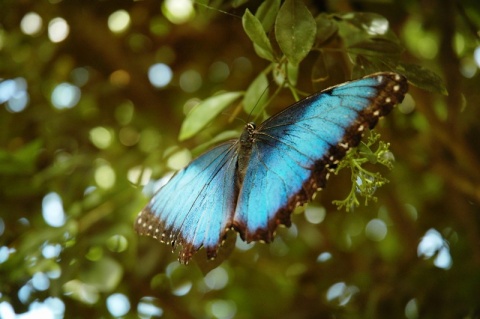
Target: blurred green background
[92, 98]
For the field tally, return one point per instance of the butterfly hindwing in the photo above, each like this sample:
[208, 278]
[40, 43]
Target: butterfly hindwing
[195, 206]
[292, 150]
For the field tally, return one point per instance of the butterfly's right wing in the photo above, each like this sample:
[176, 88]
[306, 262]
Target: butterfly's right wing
[196, 206]
[294, 149]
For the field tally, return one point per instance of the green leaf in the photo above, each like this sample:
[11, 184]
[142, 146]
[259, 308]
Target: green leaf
[254, 29]
[319, 69]
[417, 75]
[295, 29]
[256, 95]
[364, 65]
[369, 34]
[422, 77]
[285, 73]
[22, 161]
[204, 112]
[376, 46]
[326, 28]
[223, 136]
[238, 3]
[267, 12]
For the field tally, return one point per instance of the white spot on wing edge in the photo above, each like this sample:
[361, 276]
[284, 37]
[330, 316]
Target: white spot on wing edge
[344, 145]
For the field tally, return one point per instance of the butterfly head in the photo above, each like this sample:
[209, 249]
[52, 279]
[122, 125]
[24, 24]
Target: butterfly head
[250, 127]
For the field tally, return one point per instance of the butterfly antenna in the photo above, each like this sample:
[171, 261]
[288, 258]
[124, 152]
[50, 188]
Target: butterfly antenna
[250, 115]
[217, 9]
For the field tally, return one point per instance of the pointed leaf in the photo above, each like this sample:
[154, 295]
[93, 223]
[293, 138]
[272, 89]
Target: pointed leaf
[422, 77]
[319, 69]
[254, 29]
[256, 95]
[326, 28]
[221, 137]
[295, 29]
[204, 112]
[267, 13]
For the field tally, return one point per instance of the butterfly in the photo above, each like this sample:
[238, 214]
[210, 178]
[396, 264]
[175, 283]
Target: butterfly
[252, 184]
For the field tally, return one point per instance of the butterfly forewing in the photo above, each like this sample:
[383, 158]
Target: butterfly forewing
[293, 148]
[195, 207]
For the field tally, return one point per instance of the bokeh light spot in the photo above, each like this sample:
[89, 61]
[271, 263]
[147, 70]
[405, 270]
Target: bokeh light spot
[223, 309]
[190, 81]
[65, 96]
[408, 104]
[80, 76]
[433, 244]
[56, 305]
[124, 112]
[468, 67]
[218, 72]
[2, 226]
[178, 11]
[216, 279]
[119, 21]
[101, 137]
[179, 159]
[378, 26]
[40, 281]
[52, 210]
[182, 289]
[323, 257]
[5, 253]
[118, 305]
[160, 75]
[148, 307]
[139, 175]
[376, 230]
[411, 309]
[105, 176]
[120, 78]
[31, 23]
[24, 293]
[476, 56]
[6, 311]
[14, 93]
[128, 136]
[315, 214]
[58, 30]
[341, 293]
[51, 251]
[117, 243]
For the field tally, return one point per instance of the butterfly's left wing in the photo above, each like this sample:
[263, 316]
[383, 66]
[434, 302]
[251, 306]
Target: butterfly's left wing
[292, 150]
[195, 208]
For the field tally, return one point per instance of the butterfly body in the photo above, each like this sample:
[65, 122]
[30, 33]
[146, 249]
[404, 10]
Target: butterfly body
[254, 183]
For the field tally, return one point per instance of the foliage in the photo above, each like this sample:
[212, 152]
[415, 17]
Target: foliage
[87, 132]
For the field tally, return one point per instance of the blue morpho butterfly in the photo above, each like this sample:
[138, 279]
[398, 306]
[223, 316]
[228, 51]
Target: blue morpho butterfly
[252, 184]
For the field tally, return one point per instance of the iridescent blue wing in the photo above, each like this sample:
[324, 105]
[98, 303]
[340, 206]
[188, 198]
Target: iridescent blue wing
[196, 206]
[293, 150]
